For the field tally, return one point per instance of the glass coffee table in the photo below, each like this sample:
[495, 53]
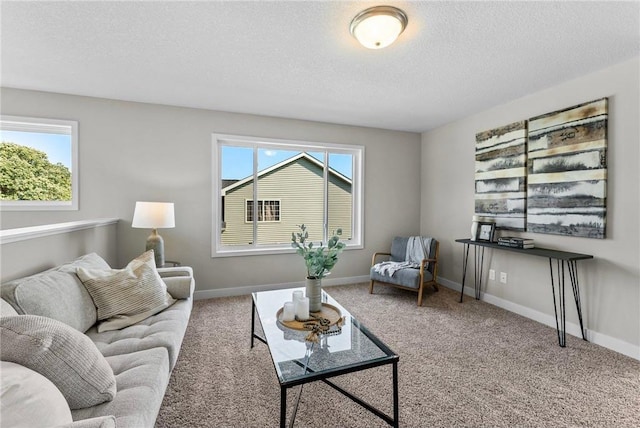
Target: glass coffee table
[298, 361]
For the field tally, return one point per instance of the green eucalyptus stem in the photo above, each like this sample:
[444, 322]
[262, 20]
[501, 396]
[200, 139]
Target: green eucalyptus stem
[319, 260]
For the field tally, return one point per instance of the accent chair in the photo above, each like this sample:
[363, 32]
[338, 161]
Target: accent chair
[408, 278]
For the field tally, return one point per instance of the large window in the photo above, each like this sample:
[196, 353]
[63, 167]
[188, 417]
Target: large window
[38, 164]
[264, 188]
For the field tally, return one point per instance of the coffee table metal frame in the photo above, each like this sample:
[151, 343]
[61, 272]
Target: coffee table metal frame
[324, 375]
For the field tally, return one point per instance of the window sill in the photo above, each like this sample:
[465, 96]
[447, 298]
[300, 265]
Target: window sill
[241, 252]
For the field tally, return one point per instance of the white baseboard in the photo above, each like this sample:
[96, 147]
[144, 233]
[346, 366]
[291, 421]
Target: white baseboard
[239, 291]
[600, 339]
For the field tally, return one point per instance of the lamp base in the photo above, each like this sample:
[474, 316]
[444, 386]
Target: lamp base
[156, 243]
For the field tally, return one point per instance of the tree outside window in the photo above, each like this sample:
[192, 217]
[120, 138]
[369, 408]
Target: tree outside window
[38, 164]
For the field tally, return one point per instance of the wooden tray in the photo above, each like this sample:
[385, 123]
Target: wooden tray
[328, 311]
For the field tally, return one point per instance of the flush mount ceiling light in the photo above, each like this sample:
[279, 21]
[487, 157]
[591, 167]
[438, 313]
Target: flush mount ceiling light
[378, 26]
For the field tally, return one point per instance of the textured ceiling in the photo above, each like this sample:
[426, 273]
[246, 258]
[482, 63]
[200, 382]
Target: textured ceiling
[298, 60]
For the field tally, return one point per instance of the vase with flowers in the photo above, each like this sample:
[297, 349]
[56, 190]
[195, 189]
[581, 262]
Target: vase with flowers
[319, 261]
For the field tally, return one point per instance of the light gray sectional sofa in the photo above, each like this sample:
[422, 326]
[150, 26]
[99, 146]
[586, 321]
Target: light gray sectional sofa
[141, 356]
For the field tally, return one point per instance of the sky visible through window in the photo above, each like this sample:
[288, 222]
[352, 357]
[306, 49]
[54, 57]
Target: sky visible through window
[237, 162]
[56, 146]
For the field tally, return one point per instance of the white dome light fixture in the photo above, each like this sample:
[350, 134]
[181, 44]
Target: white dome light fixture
[378, 26]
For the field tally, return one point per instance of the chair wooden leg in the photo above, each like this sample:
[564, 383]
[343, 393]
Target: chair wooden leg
[435, 286]
[420, 294]
[371, 287]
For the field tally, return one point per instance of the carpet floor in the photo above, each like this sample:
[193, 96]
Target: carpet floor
[461, 365]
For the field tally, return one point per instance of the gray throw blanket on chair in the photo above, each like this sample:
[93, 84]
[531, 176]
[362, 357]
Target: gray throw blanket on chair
[417, 250]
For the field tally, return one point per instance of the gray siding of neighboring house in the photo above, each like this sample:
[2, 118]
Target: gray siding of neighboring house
[299, 188]
[340, 203]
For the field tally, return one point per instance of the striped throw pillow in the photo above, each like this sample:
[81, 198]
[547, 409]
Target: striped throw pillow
[134, 290]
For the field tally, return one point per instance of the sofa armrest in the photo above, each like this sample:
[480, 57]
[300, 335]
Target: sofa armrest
[175, 271]
[99, 422]
[179, 280]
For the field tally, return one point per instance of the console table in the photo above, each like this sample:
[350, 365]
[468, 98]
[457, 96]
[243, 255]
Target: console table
[562, 259]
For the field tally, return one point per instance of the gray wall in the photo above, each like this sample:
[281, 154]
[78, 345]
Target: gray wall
[23, 258]
[610, 283]
[133, 151]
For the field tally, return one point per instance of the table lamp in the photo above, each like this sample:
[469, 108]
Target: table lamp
[154, 215]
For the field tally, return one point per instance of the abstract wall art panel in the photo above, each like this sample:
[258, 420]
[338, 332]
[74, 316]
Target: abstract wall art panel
[500, 178]
[567, 171]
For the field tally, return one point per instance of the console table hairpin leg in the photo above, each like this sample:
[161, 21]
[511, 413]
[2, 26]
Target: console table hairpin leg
[477, 274]
[559, 306]
[562, 258]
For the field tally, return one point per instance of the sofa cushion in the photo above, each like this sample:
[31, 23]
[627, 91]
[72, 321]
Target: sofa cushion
[60, 353]
[165, 330]
[56, 293]
[142, 378]
[28, 399]
[99, 422]
[122, 293]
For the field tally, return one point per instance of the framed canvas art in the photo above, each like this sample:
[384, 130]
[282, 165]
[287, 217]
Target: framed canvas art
[500, 175]
[567, 171]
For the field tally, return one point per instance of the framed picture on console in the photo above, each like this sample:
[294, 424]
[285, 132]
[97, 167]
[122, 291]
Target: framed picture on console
[486, 231]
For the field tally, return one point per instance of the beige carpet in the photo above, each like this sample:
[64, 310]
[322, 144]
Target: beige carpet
[469, 364]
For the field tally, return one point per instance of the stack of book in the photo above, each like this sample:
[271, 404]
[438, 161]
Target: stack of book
[514, 242]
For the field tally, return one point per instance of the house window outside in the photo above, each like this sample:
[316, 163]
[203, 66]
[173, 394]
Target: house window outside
[267, 210]
[320, 185]
[38, 164]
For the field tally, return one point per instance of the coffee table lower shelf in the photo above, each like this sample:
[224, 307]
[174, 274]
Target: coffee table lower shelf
[325, 375]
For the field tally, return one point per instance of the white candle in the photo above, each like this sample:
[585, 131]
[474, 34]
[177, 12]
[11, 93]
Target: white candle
[288, 312]
[297, 295]
[302, 309]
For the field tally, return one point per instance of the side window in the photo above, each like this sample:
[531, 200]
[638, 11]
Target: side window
[38, 164]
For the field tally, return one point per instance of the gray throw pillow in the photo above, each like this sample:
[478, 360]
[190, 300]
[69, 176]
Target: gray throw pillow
[56, 293]
[126, 296]
[60, 353]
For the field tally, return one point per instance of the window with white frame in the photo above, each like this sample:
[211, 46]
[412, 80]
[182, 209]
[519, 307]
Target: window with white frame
[267, 210]
[264, 188]
[38, 164]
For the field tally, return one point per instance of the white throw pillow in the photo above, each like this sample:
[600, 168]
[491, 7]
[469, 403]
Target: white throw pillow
[123, 296]
[60, 353]
[6, 309]
[30, 400]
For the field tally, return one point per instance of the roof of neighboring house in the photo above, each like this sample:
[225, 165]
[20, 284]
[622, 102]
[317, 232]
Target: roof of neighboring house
[237, 183]
[227, 183]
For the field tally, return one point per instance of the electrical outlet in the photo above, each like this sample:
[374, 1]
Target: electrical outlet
[503, 277]
[492, 274]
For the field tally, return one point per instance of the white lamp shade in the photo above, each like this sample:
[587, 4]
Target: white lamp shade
[154, 215]
[378, 27]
